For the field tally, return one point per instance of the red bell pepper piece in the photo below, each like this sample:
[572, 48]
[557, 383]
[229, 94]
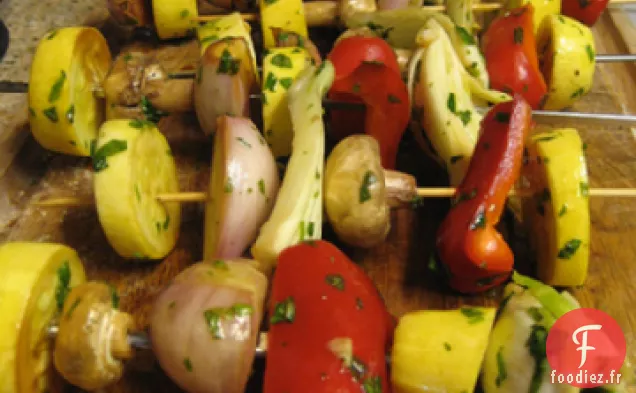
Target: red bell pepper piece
[511, 56]
[585, 11]
[319, 295]
[367, 71]
[475, 255]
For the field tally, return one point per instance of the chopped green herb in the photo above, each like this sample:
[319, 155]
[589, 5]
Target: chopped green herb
[537, 347]
[110, 148]
[172, 304]
[336, 281]
[578, 93]
[474, 315]
[70, 114]
[184, 14]
[357, 368]
[31, 112]
[261, 186]
[479, 222]
[372, 385]
[52, 35]
[270, 2]
[51, 114]
[590, 53]
[502, 117]
[535, 314]
[310, 229]
[220, 264]
[454, 159]
[140, 124]
[518, 35]
[464, 116]
[282, 61]
[127, 57]
[241, 310]
[229, 187]
[463, 196]
[73, 307]
[447, 346]
[213, 320]
[564, 209]
[355, 88]
[166, 223]
[56, 89]
[187, 364]
[502, 374]
[368, 180]
[465, 36]
[286, 82]
[244, 142]
[114, 297]
[585, 189]
[546, 138]
[474, 70]
[228, 64]
[569, 249]
[270, 82]
[63, 282]
[393, 99]
[452, 103]
[284, 312]
[151, 113]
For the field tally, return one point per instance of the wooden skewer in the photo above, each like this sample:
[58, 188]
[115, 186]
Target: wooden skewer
[428, 192]
[324, 13]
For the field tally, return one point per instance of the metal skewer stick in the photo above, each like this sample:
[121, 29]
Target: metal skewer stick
[614, 119]
[425, 192]
[140, 340]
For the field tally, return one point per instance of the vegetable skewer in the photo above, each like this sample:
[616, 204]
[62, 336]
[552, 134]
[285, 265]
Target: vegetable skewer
[428, 192]
[604, 118]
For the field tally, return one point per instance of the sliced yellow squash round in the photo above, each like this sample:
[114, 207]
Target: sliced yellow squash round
[288, 15]
[174, 19]
[567, 57]
[280, 68]
[133, 163]
[68, 66]
[558, 213]
[440, 351]
[36, 278]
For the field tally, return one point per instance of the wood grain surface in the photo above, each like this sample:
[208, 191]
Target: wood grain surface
[398, 267]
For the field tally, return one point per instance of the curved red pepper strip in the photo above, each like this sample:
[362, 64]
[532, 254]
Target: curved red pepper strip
[511, 56]
[331, 298]
[387, 105]
[475, 254]
[585, 11]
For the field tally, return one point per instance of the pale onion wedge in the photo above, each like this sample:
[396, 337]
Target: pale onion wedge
[440, 351]
[174, 19]
[297, 214]
[288, 15]
[568, 59]
[444, 100]
[36, 277]
[558, 214]
[68, 66]
[134, 164]
[230, 26]
[224, 81]
[281, 66]
[243, 188]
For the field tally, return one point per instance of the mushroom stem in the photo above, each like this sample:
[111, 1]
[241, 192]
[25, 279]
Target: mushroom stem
[401, 188]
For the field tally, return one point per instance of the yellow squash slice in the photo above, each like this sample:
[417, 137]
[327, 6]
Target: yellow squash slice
[280, 68]
[174, 19]
[567, 56]
[133, 163]
[288, 15]
[69, 64]
[35, 279]
[440, 351]
[230, 26]
[558, 214]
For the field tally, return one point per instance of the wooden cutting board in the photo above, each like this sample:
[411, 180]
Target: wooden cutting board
[398, 267]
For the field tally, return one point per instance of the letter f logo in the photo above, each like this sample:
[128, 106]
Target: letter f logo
[583, 344]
